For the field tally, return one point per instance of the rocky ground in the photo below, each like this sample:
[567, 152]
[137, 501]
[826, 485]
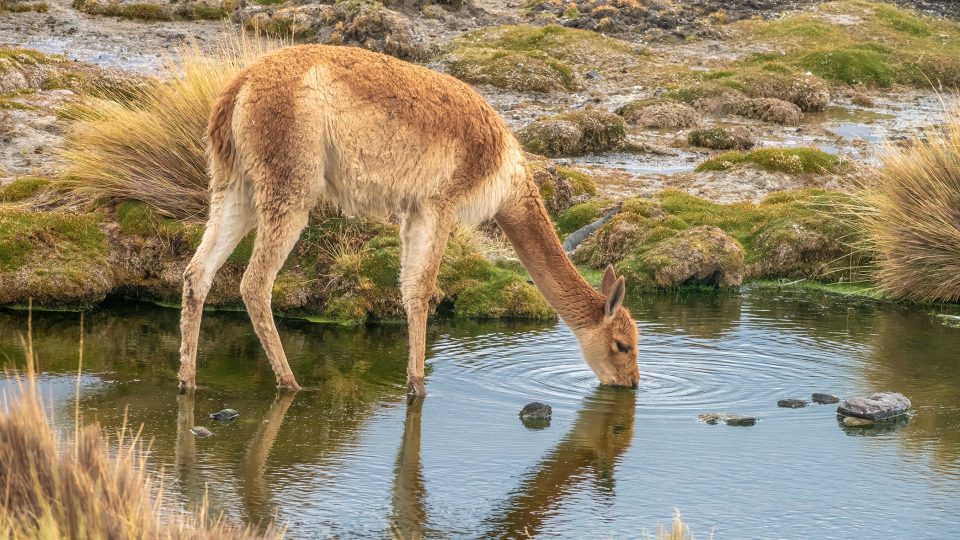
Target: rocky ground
[730, 102]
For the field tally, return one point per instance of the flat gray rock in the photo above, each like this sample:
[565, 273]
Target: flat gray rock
[879, 406]
[201, 432]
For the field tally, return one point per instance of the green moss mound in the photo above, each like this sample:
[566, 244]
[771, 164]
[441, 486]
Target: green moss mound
[718, 138]
[785, 160]
[22, 188]
[533, 59]
[790, 234]
[575, 133]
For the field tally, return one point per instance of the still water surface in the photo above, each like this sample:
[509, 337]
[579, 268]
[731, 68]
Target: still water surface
[347, 457]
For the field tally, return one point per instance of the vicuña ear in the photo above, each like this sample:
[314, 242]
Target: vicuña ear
[609, 276]
[615, 299]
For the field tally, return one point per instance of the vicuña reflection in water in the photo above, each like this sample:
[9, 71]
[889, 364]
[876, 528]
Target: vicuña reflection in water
[596, 442]
[599, 437]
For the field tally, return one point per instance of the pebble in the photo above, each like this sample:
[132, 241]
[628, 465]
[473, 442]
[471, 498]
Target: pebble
[792, 403]
[824, 399]
[201, 432]
[536, 411]
[225, 415]
[729, 419]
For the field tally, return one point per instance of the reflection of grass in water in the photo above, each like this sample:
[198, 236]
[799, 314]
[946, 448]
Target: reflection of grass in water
[82, 488]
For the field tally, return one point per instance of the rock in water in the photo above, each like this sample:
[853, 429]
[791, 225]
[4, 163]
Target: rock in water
[879, 406]
[713, 418]
[201, 432]
[536, 411]
[225, 415]
[824, 399]
[792, 403]
[737, 420]
[853, 421]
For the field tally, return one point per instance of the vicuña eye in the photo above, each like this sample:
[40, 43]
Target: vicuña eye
[622, 347]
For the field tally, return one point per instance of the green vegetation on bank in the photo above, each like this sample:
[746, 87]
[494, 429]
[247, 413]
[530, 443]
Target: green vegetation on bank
[786, 160]
[575, 133]
[791, 234]
[22, 188]
[149, 11]
[861, 42]
[21, 6]
[531, 58]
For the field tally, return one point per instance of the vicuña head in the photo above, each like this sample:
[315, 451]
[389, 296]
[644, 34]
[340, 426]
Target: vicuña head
[370, 133]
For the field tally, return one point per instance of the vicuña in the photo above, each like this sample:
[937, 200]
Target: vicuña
[374, 135]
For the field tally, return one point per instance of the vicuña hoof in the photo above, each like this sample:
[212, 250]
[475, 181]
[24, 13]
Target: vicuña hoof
[416, 388]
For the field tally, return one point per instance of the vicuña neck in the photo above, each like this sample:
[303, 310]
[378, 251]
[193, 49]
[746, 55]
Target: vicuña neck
[525, 222]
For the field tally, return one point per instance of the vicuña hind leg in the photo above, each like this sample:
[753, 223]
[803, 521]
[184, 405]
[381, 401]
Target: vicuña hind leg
[231, 217]
[424, 234]
[277, 232]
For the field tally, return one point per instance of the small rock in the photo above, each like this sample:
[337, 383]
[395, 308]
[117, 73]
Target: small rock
[225, 415]
[536, 411]
[729, 419]
[710, 418]
[792, 403]
[824, 399]
[737, 420]
[879, 406]
[201, 432]
[853, 421]
[593, 75]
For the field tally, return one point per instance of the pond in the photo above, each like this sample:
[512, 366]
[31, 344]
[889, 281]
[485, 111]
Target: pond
[347, 457]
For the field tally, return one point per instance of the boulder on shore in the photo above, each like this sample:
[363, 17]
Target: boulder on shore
[879, 406]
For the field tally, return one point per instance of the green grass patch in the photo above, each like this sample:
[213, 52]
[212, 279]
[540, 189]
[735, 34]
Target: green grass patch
[852, 42]
[22, 188]
[787, 160]
[72, 235]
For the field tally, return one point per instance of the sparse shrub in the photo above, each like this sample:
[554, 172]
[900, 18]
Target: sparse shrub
[911, 218]
[152, 149]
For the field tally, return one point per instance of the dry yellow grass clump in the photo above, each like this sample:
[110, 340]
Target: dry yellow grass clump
[151, 147]
[84, 487]
[912, 218]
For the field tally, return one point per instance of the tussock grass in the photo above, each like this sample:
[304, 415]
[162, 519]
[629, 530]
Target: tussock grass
[911, 218]
[151, 148]
[86, 487]
[786, 160]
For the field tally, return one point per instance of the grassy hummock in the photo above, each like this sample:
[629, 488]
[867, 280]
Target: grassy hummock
[785, 160]
[533, 59]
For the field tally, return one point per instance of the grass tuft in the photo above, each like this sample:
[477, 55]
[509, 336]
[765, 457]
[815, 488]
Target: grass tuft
[151, 149]
[912, 221]
[86, 487]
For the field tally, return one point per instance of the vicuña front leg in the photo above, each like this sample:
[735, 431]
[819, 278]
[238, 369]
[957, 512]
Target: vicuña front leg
[424, 235]
[276, 235]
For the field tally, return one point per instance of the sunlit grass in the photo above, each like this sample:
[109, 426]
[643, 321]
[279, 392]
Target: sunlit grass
[151, 148]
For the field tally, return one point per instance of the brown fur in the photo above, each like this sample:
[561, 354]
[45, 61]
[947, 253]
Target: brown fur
[375, 135]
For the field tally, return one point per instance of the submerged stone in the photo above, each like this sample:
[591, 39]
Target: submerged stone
[792, 403]
[201, 432]
[824, 399]
[879, 406]
[853, 421]
[225, 415]
[713, 418]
